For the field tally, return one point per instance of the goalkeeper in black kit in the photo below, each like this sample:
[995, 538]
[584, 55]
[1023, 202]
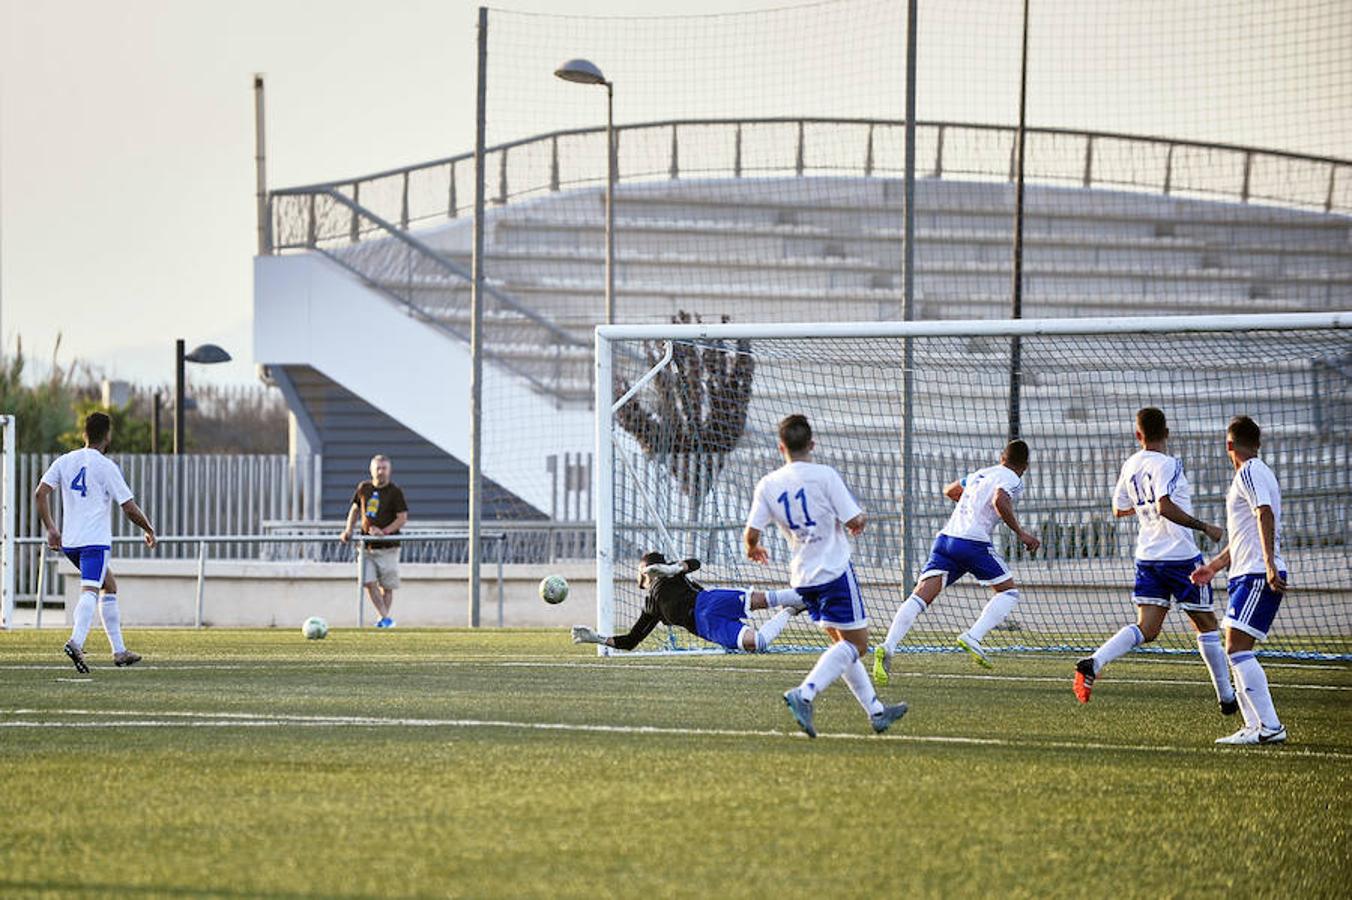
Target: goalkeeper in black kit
[718, 616]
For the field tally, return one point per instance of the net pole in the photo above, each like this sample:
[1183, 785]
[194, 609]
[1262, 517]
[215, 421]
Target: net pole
[476, 328]
[908, 300]
[1016, 310]
[605, 483]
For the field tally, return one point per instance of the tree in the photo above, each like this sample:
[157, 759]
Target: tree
[131, 433]
[698, 411]
[43, 410]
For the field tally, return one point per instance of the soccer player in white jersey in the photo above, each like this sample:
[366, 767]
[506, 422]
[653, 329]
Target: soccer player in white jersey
[1253, 520]
[90, 483]
[984, 499]
[817, 515]
[1153, 487]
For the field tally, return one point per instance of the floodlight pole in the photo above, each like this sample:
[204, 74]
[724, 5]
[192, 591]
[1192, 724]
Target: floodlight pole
[476, 329]
[611, 176]
[260, 171]
[178, 396]
[1016, 310]
[908, 305]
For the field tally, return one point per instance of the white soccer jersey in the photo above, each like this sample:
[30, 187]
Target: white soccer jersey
[90, 484]
[810, 504]
[1254, 486]
[1146, 477]
[975, 518]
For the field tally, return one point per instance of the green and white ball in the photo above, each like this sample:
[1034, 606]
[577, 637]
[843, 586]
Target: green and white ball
[314, 628]
[554, 589]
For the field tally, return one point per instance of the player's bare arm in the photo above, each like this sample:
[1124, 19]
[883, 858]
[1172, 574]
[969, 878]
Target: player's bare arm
[856, 525]
[953, 491]
[1120, 513]
[752, 546]
[1171, 511]
[45, 513]
[138, 518]
[1004, 505]
[1267, 531]
[1207, 571]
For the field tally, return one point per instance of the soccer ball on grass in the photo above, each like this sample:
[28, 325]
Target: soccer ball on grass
[554, 589]
[314, 628]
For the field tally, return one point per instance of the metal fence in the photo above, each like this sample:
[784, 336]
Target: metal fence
[309, 546]
[722, 148]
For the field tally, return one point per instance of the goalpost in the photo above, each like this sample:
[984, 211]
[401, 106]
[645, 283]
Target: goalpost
[686, 418]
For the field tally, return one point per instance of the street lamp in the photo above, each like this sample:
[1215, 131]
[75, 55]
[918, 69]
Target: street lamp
[204, 354]
[581, 71]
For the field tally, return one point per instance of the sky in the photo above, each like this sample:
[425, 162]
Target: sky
[127, 214]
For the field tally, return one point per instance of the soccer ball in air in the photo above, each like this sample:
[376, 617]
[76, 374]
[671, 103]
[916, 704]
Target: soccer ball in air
[554, 589]
[314, 628]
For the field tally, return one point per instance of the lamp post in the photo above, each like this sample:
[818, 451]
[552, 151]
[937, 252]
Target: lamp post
[204, 354]
[581, 71]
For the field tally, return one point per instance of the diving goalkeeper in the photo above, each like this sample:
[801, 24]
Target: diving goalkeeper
[717, 616]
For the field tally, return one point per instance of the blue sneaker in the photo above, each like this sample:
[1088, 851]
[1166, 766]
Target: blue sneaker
[801, 709]
[883, 720]
[384, 622]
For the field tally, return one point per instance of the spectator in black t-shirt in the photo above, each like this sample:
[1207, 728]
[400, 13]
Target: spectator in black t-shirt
[379, 505]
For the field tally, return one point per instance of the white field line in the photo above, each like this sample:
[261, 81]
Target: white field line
[150, 719]
[616, 666]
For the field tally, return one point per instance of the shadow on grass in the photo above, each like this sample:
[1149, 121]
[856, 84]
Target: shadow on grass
[108, 889]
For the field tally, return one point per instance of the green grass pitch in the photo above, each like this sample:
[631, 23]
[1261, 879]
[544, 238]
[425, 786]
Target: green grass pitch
[453, 763]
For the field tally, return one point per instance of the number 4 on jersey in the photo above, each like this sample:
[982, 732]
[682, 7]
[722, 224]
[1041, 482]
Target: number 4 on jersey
[79, 483]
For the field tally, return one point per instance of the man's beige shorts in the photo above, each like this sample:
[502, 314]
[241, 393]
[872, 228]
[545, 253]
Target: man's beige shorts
[381, 566]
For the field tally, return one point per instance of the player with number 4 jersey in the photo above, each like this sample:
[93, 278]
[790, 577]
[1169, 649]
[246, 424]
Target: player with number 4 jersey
[817, 514]
[90, 484]
[1153, 488]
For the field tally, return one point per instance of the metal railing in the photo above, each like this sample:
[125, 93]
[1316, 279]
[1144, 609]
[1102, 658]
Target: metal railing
[799, 146]
[359, 542]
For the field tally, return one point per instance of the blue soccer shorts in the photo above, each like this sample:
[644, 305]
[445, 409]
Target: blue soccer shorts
[719, 615]
[92, 563]
[1253, 605]
[954, 557]
[1162, 582]
[837, 603]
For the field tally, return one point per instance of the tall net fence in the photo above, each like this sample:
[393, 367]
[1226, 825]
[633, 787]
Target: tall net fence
[692, 442]
[1180, 157]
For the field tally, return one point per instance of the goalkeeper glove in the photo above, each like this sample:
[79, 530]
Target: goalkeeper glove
[664, 570]
[584, 635]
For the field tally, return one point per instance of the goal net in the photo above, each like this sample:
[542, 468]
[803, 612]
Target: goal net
[8, 507]
[687, 415]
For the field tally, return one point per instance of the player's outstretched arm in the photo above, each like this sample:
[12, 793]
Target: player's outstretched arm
[138, 518]
[1004, 505]
[1171, 511]
[45, 514]
[643, 627]
[1207, 571]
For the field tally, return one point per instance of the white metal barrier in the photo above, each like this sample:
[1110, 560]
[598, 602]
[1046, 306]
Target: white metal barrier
[47, 555]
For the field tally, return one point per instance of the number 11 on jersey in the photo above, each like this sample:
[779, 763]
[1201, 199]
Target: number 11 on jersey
[801, 496]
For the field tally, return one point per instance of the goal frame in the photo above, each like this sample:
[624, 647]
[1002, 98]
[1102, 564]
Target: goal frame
[606, 336]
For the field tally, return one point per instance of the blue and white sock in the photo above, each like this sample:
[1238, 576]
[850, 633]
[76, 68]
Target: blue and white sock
[766, 634]
[1119, 644]
[1213, 654]
[830, 666]
[903, 620]
[1251, 681]
[84, 616]
[784, 597]
[1000, 606]
[862, 687]
[112, 622]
